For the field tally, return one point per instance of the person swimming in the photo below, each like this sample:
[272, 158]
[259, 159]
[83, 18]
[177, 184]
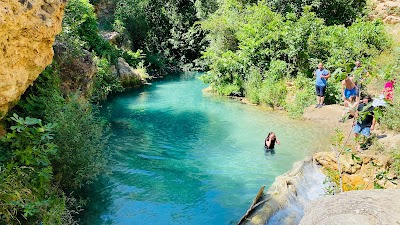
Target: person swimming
[270, 141]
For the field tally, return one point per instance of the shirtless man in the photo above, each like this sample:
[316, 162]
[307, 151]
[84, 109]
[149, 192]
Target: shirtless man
[349, 88]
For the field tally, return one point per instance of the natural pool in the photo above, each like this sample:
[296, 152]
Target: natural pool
[183, 157]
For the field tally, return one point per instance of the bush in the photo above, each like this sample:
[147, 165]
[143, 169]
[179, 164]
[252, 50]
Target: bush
[304, 96]
[253, 85]
[79, 140]
[26, 190]
[105, 81]
[80, 137]
[273, 93]
[332, 11]
[391, 117]
[243, 37]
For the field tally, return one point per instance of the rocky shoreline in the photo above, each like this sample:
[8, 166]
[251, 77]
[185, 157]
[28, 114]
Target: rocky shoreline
[304, 195]
[290, 194]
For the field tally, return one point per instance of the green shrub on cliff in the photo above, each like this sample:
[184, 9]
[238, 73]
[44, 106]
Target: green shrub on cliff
[27, 194]
[105, 82]
[79, 136]
[47, 167]
[80, 31]
[165, 30]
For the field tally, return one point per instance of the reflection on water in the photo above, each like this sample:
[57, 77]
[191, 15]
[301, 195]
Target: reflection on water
[180, 157]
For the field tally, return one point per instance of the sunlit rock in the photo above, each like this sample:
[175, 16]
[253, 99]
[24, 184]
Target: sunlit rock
[27, 32]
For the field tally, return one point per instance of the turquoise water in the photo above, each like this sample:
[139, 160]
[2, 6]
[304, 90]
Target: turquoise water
[183, 157]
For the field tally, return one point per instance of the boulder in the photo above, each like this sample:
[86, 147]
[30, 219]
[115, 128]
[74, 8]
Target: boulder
[373, 207]
[76, 71]
[111, 37]
[27, 32]
[128, 76]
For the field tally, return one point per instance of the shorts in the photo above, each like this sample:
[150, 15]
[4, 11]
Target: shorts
[320, 90]
[366, 131]
[348, 93]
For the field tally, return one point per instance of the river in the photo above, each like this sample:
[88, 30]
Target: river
[180, 156]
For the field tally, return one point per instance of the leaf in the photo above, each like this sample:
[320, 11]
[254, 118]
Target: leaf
[355, 157]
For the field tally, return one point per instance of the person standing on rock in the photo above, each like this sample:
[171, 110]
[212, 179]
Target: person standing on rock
[349, 89]
[366, 123]
[322, 76]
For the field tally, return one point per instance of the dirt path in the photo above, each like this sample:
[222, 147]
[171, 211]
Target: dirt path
[330, 115]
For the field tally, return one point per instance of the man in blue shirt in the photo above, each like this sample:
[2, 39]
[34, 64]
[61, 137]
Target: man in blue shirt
[322, 76]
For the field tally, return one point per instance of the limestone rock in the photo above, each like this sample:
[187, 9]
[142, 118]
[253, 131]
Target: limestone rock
[111, 37]
[27, 32]
[362, 173]
[373, 207]
[289, 194]
[76, 71]
[127, 74]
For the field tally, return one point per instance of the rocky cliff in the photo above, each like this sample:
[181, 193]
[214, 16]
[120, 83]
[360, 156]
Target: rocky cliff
[27, 32]
[290, 194]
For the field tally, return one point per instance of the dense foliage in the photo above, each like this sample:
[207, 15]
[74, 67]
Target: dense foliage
[80, 40]
[44, 160]
[165, 30]
[332, 11]
[254, 50]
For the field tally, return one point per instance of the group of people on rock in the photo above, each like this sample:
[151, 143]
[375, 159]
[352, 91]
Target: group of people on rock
[352, 90]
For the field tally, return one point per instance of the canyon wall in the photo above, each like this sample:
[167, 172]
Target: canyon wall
[27, 32]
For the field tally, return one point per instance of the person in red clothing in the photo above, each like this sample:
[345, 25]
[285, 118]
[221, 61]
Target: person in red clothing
[388, 90]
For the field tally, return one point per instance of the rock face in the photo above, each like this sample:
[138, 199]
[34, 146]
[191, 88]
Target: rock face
[76, 71]
[27, 32]
[128, 76]
[363, 173]
[289, 194]
[373, 207]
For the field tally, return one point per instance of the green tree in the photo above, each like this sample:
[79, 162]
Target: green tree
[333, 11]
